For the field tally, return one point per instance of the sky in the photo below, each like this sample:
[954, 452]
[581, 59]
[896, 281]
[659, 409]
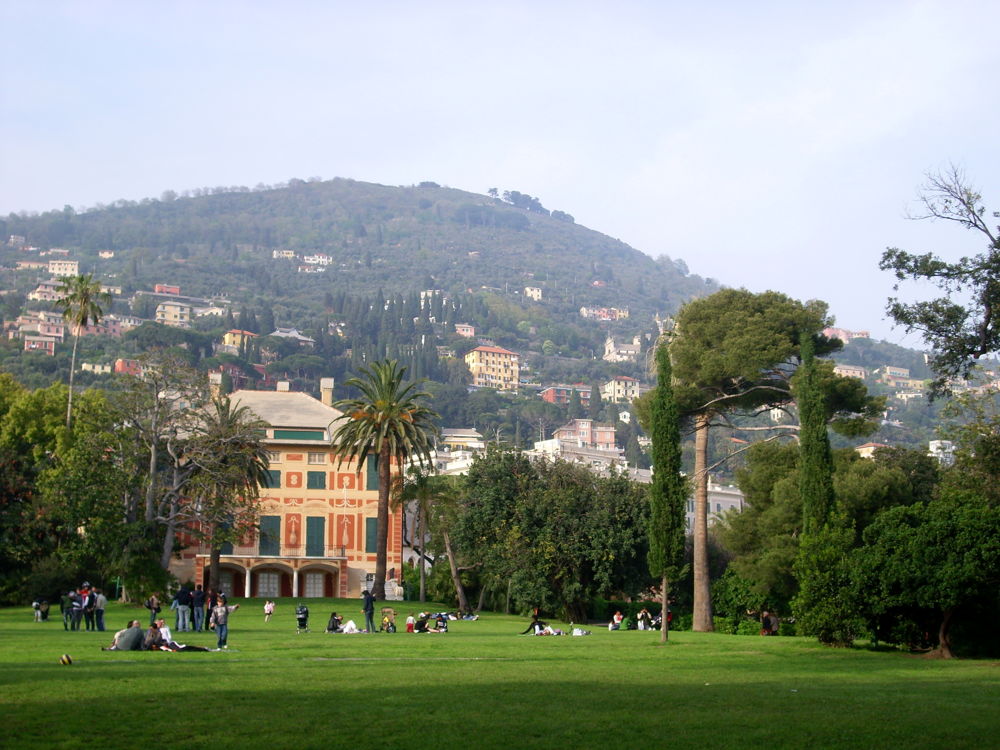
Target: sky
[770, 145]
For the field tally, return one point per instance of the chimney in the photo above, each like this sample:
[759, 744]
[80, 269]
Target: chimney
[326, 391]
[283, 386]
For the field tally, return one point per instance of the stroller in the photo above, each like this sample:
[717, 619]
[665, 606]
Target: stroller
[388, 624]
[301, 619]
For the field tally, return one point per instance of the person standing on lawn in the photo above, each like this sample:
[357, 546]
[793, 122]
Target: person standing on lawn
[369, 610]
[220, 621]
[198, 607]
[100, 604]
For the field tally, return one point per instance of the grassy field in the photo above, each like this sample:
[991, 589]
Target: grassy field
[480, 685]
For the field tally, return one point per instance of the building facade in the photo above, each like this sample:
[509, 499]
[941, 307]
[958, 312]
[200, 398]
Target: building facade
[494, 367]
[318, 521]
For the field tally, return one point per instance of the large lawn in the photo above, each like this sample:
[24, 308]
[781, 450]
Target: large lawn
[480, 685]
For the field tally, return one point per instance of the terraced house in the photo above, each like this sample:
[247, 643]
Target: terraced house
[318, 522]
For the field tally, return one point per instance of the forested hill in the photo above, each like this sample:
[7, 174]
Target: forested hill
[220, 241]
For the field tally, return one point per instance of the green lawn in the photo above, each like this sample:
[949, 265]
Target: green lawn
[480, 685]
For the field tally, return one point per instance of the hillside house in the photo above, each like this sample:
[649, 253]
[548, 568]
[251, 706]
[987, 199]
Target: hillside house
[494, 367]
[292, 333]
[64, 267]
[172, 313]
[464, 329]
[561, 394]
[533, 293]
[318, 522]
[43, 344]
[620, 352]
[851, 371]
[234, 340]
[622, 389]
[587, 433]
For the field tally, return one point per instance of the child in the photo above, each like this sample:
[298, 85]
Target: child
[410, 621]
[268, 610]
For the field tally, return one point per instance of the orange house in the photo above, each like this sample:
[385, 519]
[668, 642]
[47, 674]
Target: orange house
[318, 523]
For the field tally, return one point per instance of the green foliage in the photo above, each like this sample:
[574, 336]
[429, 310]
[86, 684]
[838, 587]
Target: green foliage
[937, 556]
[669, 489]
[825, 606]
[960, 326]
[554, 533]
[815, 462]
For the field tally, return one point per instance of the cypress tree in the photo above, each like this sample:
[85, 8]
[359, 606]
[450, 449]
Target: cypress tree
[668, 491]
[815, 461]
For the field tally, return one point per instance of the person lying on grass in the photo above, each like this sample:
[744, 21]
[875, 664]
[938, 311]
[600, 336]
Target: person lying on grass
[128, 638]
[167, 642]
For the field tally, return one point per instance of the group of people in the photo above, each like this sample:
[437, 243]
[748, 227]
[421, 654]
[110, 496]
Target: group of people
[159, 637]
[83, 605]
[190, 607]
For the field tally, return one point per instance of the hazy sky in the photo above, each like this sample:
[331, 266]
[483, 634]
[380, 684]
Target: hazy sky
[771, 145]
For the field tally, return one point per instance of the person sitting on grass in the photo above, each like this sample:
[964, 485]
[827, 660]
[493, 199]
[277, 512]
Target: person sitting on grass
[128, 638]
[420, 626]
[153, 639]
[616, 621]
[535, 626]
[333, 624]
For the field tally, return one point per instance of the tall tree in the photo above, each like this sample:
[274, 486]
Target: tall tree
[733, 351]
[964, 324]
[80, 300]
[387, 423]
[228, 449]
[816, 463]
[668, 491]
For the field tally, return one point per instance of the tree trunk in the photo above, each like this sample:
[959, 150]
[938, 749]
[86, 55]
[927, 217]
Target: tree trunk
[421, 533]
[168, 543]
[944, 634]
[154, 444]
[482, 599]
[463, 603]
[702, 615]
[72, 371]
[664, 606]
[213, 561]
[382, 534]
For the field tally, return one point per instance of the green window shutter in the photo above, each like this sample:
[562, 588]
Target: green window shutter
[315, 531]
[273, 479]
[270, 535]
[371, 535]
[316, 480]
[371, 481]
[227, 548]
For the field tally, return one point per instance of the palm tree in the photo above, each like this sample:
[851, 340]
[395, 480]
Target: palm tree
[389, 422]
[232, 465]
[81, 305]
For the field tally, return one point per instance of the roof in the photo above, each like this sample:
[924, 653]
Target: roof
[494, 350]
[447, 432]
[287, 409]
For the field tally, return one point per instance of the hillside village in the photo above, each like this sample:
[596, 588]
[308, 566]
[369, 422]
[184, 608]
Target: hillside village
[523, 357]
[585, 434]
